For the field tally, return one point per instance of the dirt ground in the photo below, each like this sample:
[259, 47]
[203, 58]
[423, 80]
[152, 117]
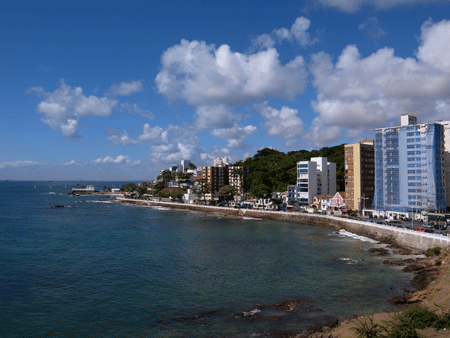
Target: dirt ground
[435, 296]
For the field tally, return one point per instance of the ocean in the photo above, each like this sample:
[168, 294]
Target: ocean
[84, 266]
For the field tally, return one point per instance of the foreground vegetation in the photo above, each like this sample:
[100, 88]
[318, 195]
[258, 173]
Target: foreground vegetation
[402, 325]
[273, 170]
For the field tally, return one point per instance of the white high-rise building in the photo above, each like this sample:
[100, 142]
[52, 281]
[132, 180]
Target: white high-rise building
[315, 177]
[184, 165]
[221, 161]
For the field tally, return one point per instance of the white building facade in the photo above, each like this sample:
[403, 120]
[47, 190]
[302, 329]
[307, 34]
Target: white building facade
[314, 177]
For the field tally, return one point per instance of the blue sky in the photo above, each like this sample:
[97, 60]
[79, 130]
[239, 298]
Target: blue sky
[119, 90]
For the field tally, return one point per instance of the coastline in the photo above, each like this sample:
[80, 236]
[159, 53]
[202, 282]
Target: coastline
[428, 275]
[402, 239]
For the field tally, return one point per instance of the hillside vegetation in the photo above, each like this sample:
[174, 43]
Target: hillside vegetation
[274, 170]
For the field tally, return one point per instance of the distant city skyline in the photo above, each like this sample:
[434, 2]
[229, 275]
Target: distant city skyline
[118, 91]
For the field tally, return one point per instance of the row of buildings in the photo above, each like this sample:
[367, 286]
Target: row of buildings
[404, 169]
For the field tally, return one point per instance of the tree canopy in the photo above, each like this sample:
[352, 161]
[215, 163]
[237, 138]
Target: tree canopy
[129, 187]
[273, 170]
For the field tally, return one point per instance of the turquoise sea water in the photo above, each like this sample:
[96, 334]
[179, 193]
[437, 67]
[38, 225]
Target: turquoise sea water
[98, 268]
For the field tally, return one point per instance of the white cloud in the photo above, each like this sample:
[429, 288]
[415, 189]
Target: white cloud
[435, 46]
[215, 116]
[283, 123]
[216, 80]
[372, 29]
[357, 94]
[63, 107]
[133, 108]
[121, 159]
[18, 164]
[351, 6]
[202, 75]
[125, 88]
[70, 162]
[298, 33]
[149, 134]
[235, 135]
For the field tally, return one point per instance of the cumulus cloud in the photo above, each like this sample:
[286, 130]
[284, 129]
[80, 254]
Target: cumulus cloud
[372, 29]
[202, 75]
[283, 123]
[62, 108]
[351, 6]
[149, 134]
[235, 135]
[357, 94]
[214, 81]
[125, 88]
[121, 159]
[18, 164]
[70, 163]
[297, 33]
[133, 108]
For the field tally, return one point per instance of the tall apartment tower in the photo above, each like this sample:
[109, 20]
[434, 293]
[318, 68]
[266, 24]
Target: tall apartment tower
[219, 176]
[315, 177]
[359, 174]
[410, 166]
[216, 177]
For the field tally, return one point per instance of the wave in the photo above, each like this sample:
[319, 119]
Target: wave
[345, 233]
[349, 261]
[52, 193]
[252, 218]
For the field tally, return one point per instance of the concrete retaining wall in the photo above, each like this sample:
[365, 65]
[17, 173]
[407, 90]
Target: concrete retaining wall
[403, 237]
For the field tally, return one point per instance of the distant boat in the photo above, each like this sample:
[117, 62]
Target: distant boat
[34, 187]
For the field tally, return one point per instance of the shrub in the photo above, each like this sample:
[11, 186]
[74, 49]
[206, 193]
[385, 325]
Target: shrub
[418, 317]
[434, 252]
[438, 262]
[443, 322]
[367, 328]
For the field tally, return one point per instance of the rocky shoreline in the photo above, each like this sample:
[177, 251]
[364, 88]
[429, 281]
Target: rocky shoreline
[432, 289]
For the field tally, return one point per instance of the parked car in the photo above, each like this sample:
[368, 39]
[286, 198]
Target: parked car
[420, 229]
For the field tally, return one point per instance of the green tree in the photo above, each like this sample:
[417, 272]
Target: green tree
[129, 187]
[183, 177]
[158, 187]
[277, 201]
[227, 190]
[192, 166]
[174, 192]
[166, 176]
[202, 188]
[142, 190]
[259, 190]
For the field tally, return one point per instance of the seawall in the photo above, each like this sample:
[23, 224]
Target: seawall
[406, 238]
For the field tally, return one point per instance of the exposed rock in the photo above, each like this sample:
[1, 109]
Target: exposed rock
[394, 262]
[273, 317]
[401, 299]
[402, 251]
[414, 267]
[409, 260]
[380, 251]
[424, 278]
[315, 309]
[287, 306]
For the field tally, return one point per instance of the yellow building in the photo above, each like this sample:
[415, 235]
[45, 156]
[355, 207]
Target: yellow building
[359, 174]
